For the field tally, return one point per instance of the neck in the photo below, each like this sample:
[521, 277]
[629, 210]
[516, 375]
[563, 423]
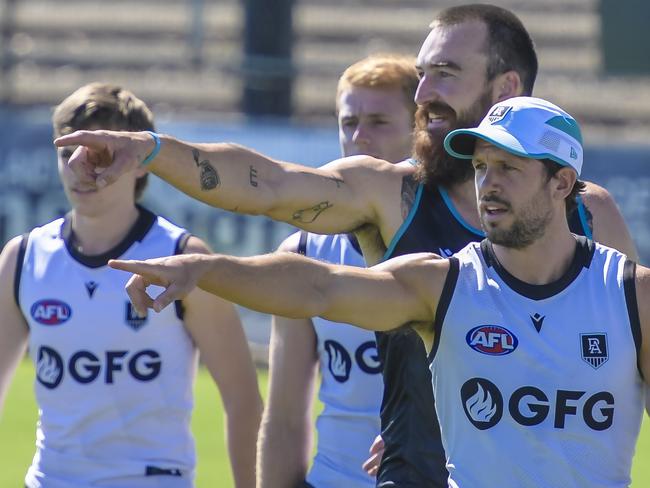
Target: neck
[463, 196]
[97, 234]
[544, 261]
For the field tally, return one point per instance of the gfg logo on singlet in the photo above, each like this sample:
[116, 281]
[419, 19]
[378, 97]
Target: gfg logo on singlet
[340, 362]
[484, 406]
[85, 367]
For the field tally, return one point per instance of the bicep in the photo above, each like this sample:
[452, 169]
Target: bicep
[384, 297]
[326, 200]
[642, 281]
[13, 328]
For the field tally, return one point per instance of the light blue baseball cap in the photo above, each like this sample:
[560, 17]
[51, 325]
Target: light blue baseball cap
[525, 126]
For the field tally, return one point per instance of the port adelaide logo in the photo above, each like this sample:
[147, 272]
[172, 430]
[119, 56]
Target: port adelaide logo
[594, 349]
[492, 340]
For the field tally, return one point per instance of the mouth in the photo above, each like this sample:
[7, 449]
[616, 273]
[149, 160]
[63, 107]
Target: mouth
[436, 121]
[83, 191]
[493, 211]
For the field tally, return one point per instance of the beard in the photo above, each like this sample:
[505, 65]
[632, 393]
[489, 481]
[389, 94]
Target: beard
[436, 166]
[530, 222]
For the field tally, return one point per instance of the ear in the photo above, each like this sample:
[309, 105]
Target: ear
[140, 171]
[506, 85]
[563, 182]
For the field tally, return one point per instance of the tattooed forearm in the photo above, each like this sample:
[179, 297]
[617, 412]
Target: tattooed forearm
[308, 215]
[208, 176]
[409, 188]
[252, 177]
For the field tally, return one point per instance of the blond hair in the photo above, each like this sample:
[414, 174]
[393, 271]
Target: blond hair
[382, 71]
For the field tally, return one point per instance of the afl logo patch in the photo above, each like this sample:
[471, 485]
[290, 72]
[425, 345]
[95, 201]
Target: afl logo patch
[492, 340]
[51, 312]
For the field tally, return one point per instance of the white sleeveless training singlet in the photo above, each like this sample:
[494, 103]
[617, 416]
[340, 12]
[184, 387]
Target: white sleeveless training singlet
[114, 390]
[538, 386]
[351, 386]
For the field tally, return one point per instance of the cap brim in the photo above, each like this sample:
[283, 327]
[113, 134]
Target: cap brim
[460, 143]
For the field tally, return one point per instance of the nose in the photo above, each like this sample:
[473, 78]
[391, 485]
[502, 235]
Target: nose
[487, 181]
[360, 134]
[425, 92]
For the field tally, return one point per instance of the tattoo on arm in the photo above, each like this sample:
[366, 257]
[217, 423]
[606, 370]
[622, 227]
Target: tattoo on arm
[308, 215]
[252, 176]
[338, 181]
[409, 189]
[208, 177]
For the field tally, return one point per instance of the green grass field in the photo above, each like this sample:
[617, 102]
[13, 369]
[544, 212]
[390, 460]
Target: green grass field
[18, 423]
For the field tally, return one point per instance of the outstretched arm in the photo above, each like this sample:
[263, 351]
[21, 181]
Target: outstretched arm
[338, 197]
[399, 291]
[216, 330]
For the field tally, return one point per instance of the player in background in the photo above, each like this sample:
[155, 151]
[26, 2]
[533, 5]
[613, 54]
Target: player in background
[114, 389]
[538, 339]
[474, 56]
[375, 109]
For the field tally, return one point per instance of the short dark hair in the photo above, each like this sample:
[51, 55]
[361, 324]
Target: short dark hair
[552, 167]
[509, 45]
[105, 106]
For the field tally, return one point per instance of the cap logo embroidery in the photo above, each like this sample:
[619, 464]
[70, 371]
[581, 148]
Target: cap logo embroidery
[498, 113]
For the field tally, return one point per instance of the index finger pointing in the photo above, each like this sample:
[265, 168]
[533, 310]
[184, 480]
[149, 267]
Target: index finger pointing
[86, 138]
[131, 266]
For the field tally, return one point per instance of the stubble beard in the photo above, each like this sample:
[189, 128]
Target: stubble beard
[529, 225]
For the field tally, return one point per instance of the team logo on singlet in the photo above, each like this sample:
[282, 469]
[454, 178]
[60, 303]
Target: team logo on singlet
[49, 367]
[492, 340]
[132, 319]
[594, 349]
[482, 402]
[339, 361]
[51, 312]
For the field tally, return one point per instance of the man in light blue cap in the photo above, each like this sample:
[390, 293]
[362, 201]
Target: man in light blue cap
[539, 340]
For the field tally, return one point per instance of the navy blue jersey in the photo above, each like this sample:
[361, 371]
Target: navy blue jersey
[414, 456]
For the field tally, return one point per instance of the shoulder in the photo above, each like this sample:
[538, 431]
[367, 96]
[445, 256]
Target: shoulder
[291, 243]
[609, 226]
[9, 257]
[597, 196]
[370, 170]
[194, 245]
[425, 266]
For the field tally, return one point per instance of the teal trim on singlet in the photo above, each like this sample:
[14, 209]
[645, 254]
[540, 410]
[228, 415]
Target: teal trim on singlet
[405, 225]
[582, 213]
[456, 214]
